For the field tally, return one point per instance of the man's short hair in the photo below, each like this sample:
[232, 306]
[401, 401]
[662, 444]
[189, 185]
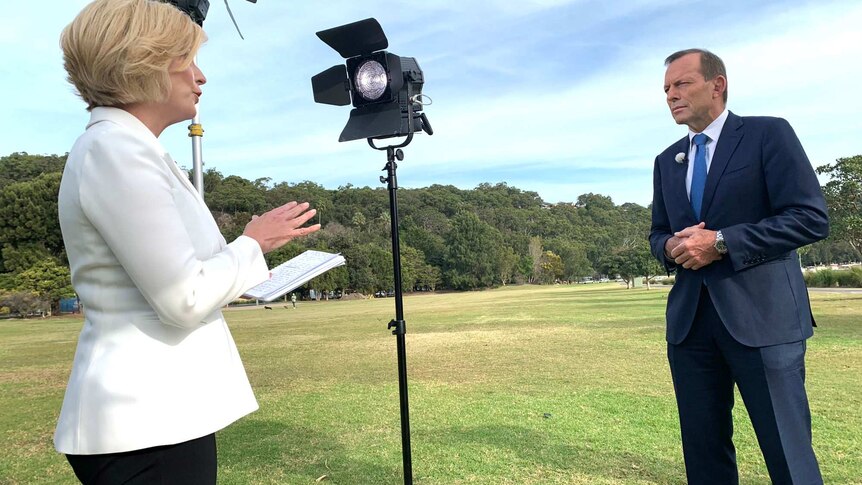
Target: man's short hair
[711, 66]
[118, 52]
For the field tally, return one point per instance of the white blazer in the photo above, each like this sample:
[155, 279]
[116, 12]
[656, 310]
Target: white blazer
[155, 363]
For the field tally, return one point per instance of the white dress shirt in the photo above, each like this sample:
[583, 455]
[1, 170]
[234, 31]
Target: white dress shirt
[155, 362]
[713, 131]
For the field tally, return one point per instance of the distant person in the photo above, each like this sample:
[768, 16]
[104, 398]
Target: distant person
[293, 299]
[156, 371]
[732, 202]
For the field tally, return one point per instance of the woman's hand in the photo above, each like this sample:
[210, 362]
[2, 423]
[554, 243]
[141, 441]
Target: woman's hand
[275, 228]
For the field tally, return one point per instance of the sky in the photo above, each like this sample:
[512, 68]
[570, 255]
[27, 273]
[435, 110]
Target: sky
[558, 97]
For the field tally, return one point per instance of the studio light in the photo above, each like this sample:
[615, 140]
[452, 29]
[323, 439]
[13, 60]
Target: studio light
[385, 89]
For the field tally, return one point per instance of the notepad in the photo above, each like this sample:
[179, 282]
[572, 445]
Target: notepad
[294, 273]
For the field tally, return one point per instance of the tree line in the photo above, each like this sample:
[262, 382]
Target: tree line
[451, 238]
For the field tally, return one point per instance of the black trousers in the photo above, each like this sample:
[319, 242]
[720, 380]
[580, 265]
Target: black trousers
[705, 367]
[189, 463]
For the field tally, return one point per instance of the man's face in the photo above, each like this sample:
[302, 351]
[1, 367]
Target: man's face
[693, 100]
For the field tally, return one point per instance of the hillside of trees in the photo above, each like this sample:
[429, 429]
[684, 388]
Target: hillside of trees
[451, 238]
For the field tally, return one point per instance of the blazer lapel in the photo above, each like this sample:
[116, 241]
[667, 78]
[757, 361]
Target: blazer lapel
[727, 143]
[175, 169]
[126, 119]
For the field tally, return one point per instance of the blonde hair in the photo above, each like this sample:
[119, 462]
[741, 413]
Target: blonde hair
[119, 52]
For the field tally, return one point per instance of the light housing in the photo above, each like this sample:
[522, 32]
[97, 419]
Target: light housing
[197, 9]
[385, 89]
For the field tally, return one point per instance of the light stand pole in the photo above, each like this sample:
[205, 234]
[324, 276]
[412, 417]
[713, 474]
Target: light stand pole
[398, 325]
[196, 133]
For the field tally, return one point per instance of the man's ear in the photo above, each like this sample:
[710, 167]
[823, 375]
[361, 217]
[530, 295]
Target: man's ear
[720, 86]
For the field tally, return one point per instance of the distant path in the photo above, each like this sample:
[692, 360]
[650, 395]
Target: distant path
[838, 290]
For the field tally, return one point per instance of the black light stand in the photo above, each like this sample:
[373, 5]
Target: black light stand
[398, 325]
[386, 93]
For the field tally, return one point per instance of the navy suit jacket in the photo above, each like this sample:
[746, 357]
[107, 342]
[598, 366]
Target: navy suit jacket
[762, 193]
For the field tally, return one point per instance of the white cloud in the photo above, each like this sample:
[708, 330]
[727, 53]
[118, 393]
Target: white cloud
[518, 87]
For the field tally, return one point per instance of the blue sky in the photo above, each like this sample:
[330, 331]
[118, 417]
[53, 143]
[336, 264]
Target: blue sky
[558, 97]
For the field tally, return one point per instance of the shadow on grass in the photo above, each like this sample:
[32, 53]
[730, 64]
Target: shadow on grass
[267, 451]
[535, 452]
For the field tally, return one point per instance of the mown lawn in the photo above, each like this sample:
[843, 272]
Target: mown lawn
[519, 385]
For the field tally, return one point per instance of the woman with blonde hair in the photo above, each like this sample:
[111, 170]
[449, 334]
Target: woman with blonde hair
[156, 372]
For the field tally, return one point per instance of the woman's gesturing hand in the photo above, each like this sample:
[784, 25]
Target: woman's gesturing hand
[275, 228]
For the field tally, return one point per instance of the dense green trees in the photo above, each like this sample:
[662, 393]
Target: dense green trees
[451, 238]
[20, 167]
[34, 273]
[29, 227]
[844, 197]
[473, 253]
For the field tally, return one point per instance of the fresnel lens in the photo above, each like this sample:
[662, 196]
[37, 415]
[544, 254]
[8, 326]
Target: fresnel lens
[371, 80]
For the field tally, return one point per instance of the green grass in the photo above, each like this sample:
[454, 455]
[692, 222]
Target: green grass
[520, 385]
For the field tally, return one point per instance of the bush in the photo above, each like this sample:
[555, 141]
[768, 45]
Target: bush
[828, 278]
[668, 281]
[851, 278]
[24, 303]
[820, 279]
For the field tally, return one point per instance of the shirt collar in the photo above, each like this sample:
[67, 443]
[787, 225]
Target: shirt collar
[126, 120]
[714, 129]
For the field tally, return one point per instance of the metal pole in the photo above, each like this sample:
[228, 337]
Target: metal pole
[196, 132]
[398, 325]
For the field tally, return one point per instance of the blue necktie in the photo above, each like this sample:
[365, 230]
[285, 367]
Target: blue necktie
[698, 176]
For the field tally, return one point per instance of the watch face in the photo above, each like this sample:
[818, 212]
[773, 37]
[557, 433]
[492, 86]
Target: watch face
[719, 243]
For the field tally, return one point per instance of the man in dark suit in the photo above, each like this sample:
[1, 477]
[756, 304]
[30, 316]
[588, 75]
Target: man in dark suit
[732, 202]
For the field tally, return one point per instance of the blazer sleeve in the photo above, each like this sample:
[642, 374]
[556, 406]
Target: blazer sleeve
[797, 203]
[127, 194]
[660, 231]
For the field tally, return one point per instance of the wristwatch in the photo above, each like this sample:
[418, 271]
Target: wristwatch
[719, 245]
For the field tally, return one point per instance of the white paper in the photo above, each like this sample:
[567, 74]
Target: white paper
[294, 273]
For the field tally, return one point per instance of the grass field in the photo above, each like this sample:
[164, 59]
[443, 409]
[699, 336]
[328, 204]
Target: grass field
[520, 385]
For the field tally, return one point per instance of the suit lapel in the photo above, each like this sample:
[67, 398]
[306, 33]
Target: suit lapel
[727, 143]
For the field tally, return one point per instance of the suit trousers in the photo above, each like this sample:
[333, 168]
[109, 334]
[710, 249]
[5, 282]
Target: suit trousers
[771, 380]
[189, 463]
